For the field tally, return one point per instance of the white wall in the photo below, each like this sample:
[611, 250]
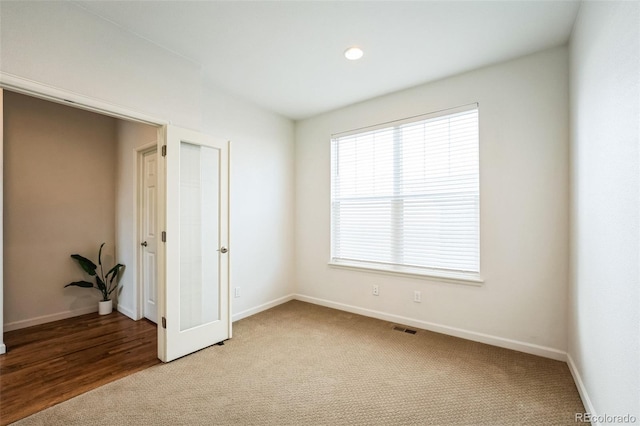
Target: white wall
[524, 209]
[62, 45]
[96, 59]
[604, 298]
[131, 136]
[261, 201]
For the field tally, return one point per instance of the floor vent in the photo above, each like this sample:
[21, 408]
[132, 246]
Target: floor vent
[403, 329]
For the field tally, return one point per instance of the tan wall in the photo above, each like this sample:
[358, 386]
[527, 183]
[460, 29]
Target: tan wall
[59, 199]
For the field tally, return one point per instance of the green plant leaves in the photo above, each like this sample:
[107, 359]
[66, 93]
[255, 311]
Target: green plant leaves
[102, 287]
[100, 254]
[88, 266]
[106, 284]
[113, 272]
[85, 284]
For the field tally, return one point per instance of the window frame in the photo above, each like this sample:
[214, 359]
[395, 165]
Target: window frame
[472, 278]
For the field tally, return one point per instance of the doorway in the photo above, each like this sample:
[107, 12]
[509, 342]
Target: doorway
[61, 193]
[175, 339]
[147, 228]
[68, 185]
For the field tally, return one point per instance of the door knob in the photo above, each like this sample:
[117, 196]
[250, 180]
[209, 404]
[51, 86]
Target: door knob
[143, 244]
[223, 249]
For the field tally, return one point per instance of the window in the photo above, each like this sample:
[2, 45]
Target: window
[405, 196]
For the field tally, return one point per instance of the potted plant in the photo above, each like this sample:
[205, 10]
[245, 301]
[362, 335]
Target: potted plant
[105, 283]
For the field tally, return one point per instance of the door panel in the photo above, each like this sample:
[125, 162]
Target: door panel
[197, 286]
[149, 234]
[199, 236]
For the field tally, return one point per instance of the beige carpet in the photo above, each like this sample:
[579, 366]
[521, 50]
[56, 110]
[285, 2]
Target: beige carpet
[301, 364]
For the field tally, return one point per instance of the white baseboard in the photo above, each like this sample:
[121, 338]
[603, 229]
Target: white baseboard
[126, 311]
[582, 390]
[263, 307]
[16, 325]
[501, 342]
[3, 348]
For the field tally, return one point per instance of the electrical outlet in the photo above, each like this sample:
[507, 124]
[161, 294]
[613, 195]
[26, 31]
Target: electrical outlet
[417, 297]
[375, 291]
[237, 292]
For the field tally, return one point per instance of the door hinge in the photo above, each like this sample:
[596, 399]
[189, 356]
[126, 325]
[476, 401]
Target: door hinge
[164, 150]
[164, 236]
[164, 322]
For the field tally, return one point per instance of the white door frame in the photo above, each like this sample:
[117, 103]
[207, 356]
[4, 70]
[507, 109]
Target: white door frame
[139, 204]
[3, 348]
[65, 97]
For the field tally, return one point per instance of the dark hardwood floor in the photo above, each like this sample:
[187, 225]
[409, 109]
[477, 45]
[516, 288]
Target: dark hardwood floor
[50, 363]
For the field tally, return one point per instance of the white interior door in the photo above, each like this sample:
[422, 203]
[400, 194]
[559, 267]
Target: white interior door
[195, 308]
[149, 236]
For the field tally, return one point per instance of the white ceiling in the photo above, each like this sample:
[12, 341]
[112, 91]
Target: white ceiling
[288, 56]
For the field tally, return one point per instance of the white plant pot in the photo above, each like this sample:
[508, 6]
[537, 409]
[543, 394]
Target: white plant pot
[105, 307]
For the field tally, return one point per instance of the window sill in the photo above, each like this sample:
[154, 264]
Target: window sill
[464, 278]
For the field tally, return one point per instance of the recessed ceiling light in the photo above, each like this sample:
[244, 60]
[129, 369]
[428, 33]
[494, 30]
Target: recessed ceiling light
[353, 53]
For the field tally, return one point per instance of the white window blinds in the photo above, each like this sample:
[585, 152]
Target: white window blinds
[406, 195]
